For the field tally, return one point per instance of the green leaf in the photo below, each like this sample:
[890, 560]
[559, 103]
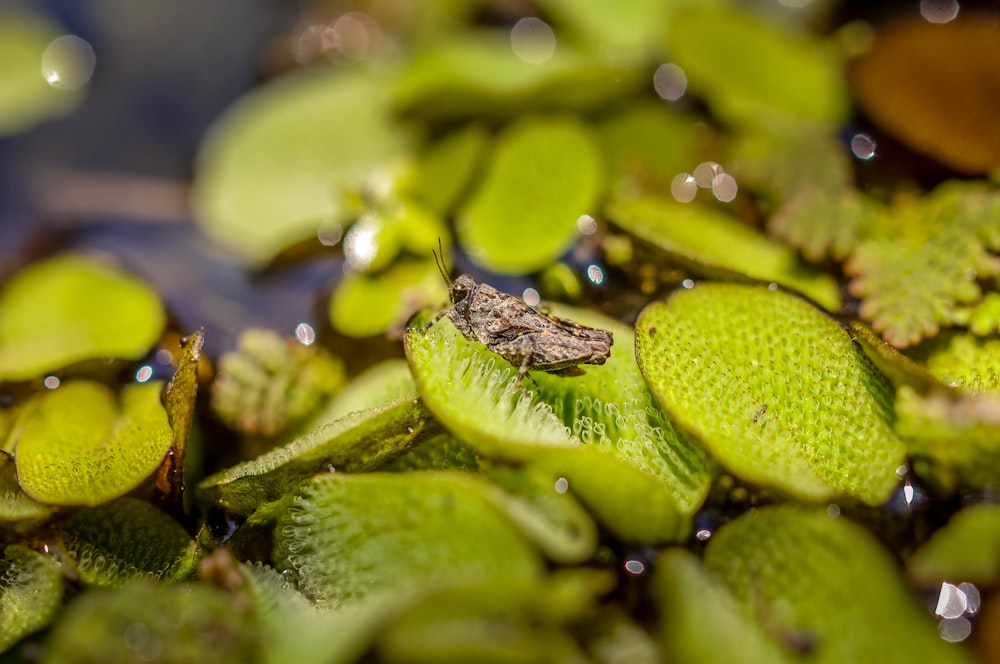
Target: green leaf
[473, 392]
[984, 317]
[970, 363]
[440, 452]
[145, 621]
[494, 620]
[821, 224]
[351, 536]
[360, 441]
[444, 174]
[774, 389]
[713, 243]
[378, 385]
[78, 447]
[959, 432]
[478, 74]
[806, 178]
[638, 476]
[611, 407]
[365, 305]
[966, 549]
[826, 583]
[784, 161]
[917, 269]
[31, 590]
[545, 173]
[127, 539]
[70, 308]
[646, 145]
[686, 594]
[295, 630]
[271, 382]
[270, 171]
[16, 508]
[26, 99]
[179, 400]
[550, 518]
[752, 73]
[390, 223]
[622, 31]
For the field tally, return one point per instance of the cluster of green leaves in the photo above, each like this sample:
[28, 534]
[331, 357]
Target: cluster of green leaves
[442, 509]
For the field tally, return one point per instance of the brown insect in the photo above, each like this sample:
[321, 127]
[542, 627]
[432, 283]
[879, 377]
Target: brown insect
[529, 339]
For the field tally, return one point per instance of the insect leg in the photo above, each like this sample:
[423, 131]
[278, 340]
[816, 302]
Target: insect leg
[441, 314]
[522, 371]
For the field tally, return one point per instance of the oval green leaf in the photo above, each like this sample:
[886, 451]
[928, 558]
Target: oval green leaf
[637, 475]
[686, 594]
[146, 621]
[365, 305]
[273, 167]
[648, 144]
[26, 98]
[610, 407]
[774, 389]
[349, 537]
[473, 392]
[442, 176]
[31, 591]
[714, 244]
[128, 539]
[825, 583]
[79, 447]
[967, 548]
[545, 511]
[376, 386]
[358, 442]
[478, 74]
[751, 73]
[544, 175]
[16, 508]
[70, 308]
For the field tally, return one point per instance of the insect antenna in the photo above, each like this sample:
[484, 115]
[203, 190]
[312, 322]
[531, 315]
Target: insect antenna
[439, 261]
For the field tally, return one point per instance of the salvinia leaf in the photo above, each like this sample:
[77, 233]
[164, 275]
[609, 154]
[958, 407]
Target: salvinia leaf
[774, 389]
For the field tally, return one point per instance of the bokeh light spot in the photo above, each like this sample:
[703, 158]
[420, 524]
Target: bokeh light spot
[533, 40]
[68, 62]
[670, 82]
[939, 11]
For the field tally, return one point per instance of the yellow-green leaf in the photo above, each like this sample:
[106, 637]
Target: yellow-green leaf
[713, 243]
[80, 446]
[545, 173]
[351, 536]
[365, 305]
[26, 98]
[70, 308]
[127, 539]
[752, 73]
[479, 74]
[966, 549]
[636, 475]
[774, 389]
[146, 621]
[358, 442]
[687, 595]
[273, 167]
[31, 590]
[824, 583]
